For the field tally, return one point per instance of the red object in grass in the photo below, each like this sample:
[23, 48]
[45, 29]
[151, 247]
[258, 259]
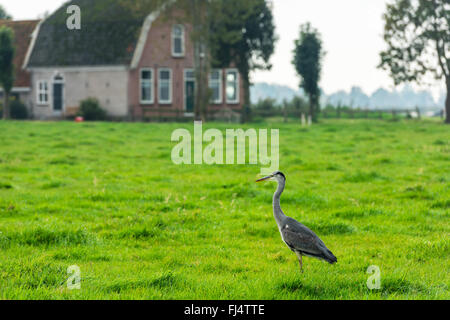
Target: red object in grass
[79, 119]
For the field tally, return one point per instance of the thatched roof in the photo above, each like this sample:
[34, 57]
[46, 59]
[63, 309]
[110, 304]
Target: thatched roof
[109, 34]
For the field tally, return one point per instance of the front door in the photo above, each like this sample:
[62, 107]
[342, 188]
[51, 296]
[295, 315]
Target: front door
[58, 96]
[190, 96]
[189, 90]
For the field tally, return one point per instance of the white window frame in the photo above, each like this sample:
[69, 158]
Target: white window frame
[45, 92]
[220, 84]
[152, 86]
[160, 101]
[173, 37]
[237, 100]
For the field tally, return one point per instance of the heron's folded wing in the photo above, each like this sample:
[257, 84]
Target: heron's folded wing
[297, 227]
[304, 242]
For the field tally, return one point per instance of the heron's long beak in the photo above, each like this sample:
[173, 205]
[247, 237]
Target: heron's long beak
[264, 179]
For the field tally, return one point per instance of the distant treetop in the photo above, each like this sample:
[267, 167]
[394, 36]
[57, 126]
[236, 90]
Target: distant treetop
[3, 14]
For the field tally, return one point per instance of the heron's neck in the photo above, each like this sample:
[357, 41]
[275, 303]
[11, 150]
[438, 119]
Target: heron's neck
[277, 212]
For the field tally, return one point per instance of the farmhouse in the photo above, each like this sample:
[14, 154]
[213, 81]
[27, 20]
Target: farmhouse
[137, 64]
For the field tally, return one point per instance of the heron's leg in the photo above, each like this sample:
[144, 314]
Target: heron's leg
[300, 260]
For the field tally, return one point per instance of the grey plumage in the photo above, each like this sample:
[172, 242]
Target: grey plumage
[299, 238]
[302, 240]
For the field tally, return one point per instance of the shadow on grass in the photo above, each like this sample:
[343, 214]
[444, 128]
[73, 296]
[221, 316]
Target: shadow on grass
[40, 237]
[329, 228]
[5, 185]
[305, 199]
[358, 213]
[416, 192]
[163, 281]
[445, 204]
[400, 286]
[361, 177]
[33, 275]
[298, 285]
[52, 185]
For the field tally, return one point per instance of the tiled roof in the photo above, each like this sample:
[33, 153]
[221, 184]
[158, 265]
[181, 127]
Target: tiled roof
[109, 34]
[22, 38]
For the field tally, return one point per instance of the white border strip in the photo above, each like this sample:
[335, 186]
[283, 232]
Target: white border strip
[81, 68]
[34, 36]
[18, 90]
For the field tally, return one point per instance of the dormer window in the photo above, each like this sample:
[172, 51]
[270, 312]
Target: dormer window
[178, 40]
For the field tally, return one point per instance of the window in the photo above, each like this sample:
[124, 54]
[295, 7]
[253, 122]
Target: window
[232, 90]
[189, 75]
[146, 80]
[42, 92]
[165, 86]
[215, 84]
[178, 41]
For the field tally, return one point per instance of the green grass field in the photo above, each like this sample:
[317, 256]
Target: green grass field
[107, 198]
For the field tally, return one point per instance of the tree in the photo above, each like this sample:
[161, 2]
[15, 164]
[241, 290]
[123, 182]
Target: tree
[242, 34]
[307, 61]
[198, 12]
[3, 14]
[417, 33]
[6, 66]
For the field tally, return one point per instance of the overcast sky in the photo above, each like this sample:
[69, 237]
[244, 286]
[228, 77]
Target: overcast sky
[351, 31]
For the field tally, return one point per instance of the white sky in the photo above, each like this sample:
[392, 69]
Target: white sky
[351, 31]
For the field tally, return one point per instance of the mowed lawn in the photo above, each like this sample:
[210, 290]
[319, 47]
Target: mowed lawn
[107, 198]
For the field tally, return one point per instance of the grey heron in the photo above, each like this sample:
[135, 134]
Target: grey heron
[300, 239]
